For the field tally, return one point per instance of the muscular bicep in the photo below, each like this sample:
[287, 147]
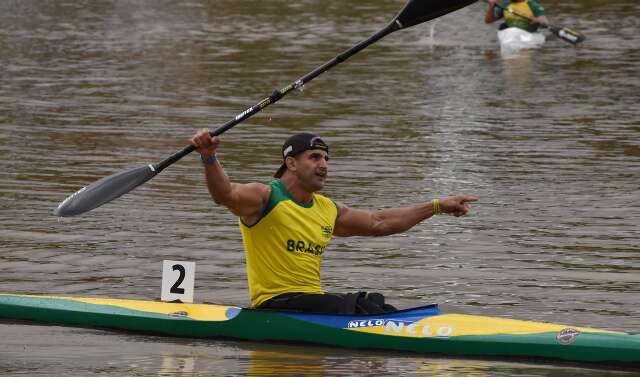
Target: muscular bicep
[247, 200]
[354, 222]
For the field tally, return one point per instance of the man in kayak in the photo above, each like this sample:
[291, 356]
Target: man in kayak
[524, 14]
[286, 226]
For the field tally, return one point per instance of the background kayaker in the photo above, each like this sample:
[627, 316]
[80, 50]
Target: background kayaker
[287, 224]
[527, 8]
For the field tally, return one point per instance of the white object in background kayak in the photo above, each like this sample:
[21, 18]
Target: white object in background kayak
[514, 39]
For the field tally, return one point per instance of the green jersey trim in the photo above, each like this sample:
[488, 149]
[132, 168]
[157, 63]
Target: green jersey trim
[279, 193]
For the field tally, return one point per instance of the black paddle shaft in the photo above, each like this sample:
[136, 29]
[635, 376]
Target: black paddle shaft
[278, 94]
[413, 13]
[116, 185]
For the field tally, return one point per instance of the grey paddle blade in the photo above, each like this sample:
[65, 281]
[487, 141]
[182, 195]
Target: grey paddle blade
[104, 191]
[419, 11]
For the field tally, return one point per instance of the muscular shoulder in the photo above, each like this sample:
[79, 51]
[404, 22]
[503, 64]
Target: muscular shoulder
[247, 197]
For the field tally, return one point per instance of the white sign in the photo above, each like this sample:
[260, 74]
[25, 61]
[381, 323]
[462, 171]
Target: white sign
[177, 281]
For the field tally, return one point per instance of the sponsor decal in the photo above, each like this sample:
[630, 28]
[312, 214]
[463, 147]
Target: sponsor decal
[327, 230]
[404, 328]
[179, 314]
[265, 102]
[366, 323]
[567, 336]
[242, 114]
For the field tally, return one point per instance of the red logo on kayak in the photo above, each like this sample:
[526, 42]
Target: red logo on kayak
[567, 336]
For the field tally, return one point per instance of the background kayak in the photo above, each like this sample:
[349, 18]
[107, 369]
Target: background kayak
[513, 39]
[425, 329]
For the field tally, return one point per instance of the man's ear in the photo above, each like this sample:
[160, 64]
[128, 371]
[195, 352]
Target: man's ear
[291, 163]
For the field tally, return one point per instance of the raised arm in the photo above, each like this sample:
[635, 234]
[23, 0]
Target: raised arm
[353, 222]
[244, 200]
[490, 16]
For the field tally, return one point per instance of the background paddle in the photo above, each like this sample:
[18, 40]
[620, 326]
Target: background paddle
[116, 185]
[563, 33]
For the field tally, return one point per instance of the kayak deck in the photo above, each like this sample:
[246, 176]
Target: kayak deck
[514, 39]
[424, 329]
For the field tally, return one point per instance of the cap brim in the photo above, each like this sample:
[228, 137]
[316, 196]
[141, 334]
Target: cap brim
[280, 171]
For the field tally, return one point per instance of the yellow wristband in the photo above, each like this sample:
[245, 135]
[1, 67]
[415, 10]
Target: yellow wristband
[436, 207]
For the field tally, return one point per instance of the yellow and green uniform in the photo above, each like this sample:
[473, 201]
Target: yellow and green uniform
[528, 8]
[284, 248]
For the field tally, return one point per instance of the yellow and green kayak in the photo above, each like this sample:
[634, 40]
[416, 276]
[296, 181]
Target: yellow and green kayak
[423, 329]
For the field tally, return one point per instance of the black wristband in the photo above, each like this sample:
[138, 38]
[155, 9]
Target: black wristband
[210, 160]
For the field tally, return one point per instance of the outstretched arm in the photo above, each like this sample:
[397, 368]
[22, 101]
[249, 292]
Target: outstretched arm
[243, 200]
[353, 222]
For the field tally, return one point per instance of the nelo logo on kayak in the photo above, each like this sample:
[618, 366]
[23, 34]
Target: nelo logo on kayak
[397, 327]
[567, 336]
[366, 323]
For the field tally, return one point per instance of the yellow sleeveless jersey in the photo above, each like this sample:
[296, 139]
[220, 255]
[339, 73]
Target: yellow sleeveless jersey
[284, 248]
[529, 9]
[522, 9]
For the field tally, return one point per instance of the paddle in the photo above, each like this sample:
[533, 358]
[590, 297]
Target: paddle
[109, 188]
[563, 33]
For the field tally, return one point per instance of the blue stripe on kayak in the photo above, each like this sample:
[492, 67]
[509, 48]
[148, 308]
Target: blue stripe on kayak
[407, 316]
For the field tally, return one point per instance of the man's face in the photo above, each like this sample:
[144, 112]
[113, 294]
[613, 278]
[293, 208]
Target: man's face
[311, 168]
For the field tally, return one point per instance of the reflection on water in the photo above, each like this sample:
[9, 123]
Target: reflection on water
[517, 72]
[548, 139]
[266, 363]
[81, 352]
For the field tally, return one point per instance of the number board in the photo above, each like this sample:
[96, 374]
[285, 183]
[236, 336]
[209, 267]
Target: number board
[177, 281]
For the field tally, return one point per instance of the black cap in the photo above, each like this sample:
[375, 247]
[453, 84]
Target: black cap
[297, 144]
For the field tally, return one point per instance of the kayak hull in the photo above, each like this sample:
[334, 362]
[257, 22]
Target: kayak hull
[514, 39]
[424, 330]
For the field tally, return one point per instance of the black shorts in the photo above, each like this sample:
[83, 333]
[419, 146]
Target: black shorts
[335, 303]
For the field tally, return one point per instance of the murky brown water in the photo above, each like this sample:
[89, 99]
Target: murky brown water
[549, 139]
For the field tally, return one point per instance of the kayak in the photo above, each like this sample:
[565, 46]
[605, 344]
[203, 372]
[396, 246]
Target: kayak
[514, 39]
[424, 329]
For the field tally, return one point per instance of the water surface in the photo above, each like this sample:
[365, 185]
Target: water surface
[549, 139]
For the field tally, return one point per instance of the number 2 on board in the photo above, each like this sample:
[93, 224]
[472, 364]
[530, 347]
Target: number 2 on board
[175, 288]
[177, 281]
